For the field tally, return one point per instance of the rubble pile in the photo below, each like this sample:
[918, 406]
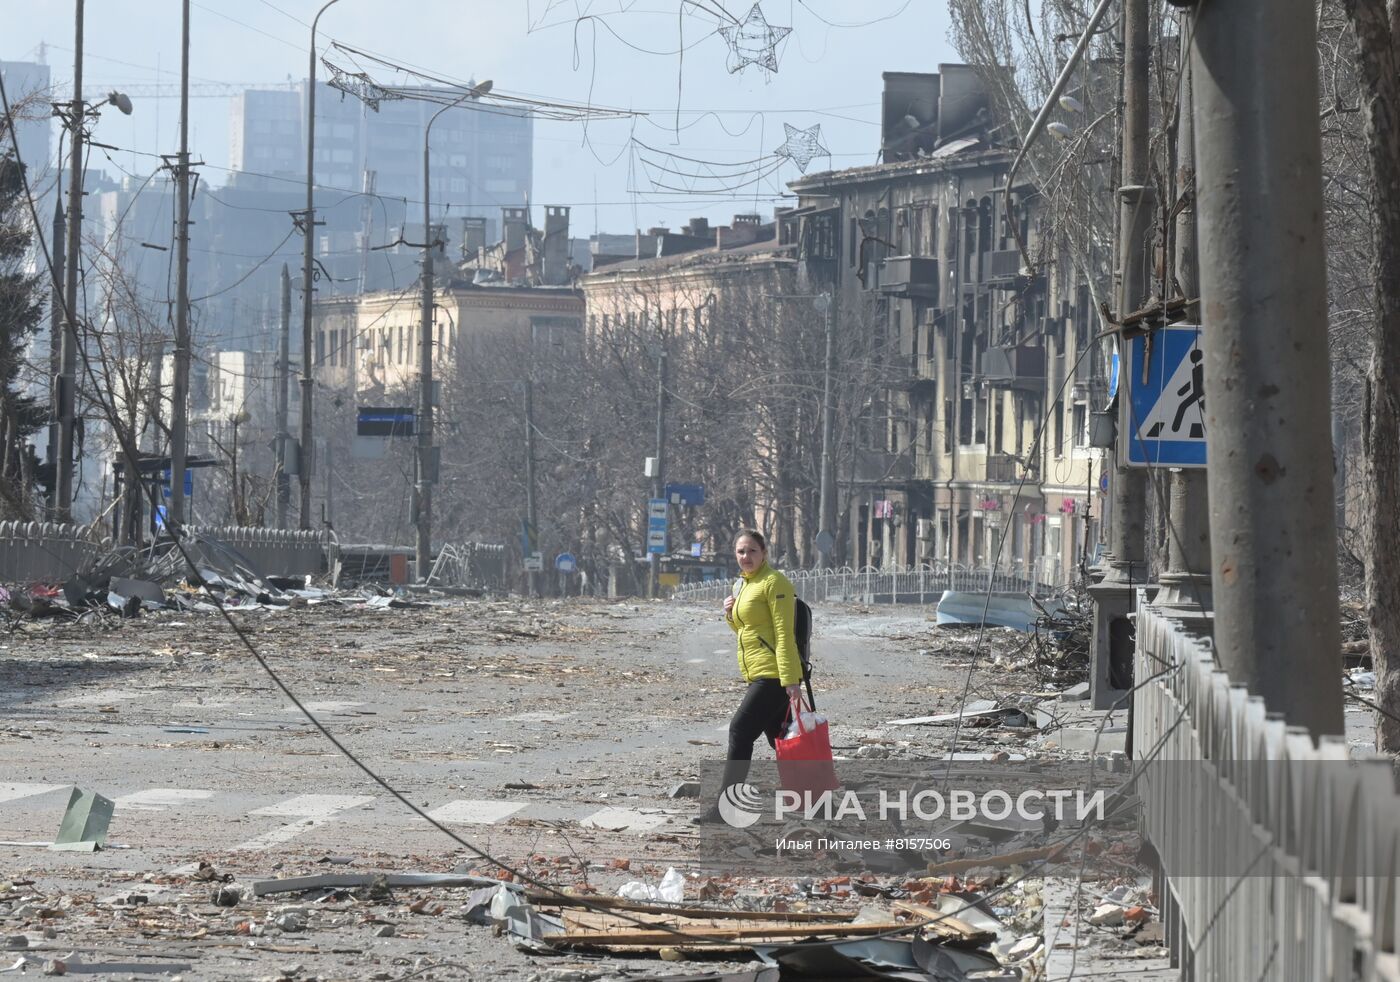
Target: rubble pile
[997, 926]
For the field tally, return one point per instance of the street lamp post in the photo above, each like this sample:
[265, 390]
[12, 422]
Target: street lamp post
[307, 296]
[427, 467]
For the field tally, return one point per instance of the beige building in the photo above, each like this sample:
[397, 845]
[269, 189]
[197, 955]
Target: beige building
[368, 344]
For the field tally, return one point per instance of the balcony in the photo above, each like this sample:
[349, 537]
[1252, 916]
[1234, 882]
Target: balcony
[1020, 367]
[910, 276]
[1005, 469]
[919, 378]
[882, 467]
[1003, 268]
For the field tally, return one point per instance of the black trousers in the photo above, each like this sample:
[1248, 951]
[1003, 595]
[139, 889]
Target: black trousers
[762, 712]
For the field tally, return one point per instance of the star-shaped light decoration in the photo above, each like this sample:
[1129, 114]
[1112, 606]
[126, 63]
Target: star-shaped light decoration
[802, 145]
[753, 41]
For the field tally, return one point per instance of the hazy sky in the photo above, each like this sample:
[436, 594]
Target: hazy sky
[620, 53]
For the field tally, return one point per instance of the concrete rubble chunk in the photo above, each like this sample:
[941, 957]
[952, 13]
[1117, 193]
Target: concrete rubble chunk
[1075, 693]
[1107, 915]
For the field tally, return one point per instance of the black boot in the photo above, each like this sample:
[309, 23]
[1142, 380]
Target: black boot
[710, 816]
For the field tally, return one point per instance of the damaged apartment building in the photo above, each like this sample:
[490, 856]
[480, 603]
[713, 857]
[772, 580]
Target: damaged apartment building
[951, 464]
[522, 286]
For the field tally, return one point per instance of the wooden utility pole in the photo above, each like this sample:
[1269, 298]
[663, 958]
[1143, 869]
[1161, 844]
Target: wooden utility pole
[284, 378]
[68, 375]
[180, 391]
[532, 530]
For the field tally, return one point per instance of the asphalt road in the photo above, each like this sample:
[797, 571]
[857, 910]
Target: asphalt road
[547, 734]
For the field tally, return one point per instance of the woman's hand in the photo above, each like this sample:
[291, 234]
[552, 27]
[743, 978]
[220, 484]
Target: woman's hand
[794, 690]
[728, 606]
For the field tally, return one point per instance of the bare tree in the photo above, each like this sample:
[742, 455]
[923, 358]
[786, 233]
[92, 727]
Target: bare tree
[1376, 24]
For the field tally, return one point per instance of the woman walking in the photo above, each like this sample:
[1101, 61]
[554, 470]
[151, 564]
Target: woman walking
[760, 611]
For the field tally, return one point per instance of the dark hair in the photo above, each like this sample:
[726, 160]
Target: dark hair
[754, 534]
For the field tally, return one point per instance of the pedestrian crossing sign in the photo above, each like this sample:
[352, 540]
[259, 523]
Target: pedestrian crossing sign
[1166, 407]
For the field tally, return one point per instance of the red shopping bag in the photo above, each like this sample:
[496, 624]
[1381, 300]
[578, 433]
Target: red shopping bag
[804, 760]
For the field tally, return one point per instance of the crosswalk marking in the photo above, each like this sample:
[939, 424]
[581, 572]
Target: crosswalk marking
[303, 813]
[159, 799]
[314, 805]
[472, 812]
[325, 707]
[278, 835]
[101, 697]
[313, 810]
[13, 792]
[623, 818]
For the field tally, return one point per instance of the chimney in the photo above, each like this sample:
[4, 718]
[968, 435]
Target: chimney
[699, 228]
[743, 232]
[556, 246]
[515, 222]
[473, 236]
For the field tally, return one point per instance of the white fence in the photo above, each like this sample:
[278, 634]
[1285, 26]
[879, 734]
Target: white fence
[924, 585]
[1301, 913]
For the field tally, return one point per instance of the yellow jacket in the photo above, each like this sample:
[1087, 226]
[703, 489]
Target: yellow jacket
[762, 617]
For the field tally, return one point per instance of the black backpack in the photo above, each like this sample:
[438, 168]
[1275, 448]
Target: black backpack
[802, 640]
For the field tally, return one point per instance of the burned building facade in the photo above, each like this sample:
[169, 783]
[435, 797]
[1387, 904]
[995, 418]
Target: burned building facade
[976, 450]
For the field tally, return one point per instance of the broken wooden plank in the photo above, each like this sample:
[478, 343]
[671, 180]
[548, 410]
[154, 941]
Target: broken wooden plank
[996, 862]
[750, 932]
[946, 926]
[549, 898]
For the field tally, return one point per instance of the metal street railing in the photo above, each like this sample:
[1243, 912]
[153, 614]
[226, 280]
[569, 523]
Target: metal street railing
[1322, 843]
[921, 585]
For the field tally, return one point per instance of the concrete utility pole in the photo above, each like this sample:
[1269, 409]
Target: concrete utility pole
[68, 372]
[56, 333]
[308, 295]
[658, 479]
[427, 457]
[826, 505]
[180, 391]
[284, 378]
[532, 529]
[1186, 582]
[1264, 292]
[1112, 646]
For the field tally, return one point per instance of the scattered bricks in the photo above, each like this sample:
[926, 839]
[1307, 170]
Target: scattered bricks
[623, 864]
[55, 966]
[1136, 915]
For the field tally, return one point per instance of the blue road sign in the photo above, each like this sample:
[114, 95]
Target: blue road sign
[1114, 363]
[165, 482]
[565, 563]
[1165, 421]
[686, 494]
[697, 549]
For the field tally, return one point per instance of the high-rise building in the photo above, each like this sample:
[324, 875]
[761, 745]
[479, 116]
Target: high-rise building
[27, 89]
[481, 158]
